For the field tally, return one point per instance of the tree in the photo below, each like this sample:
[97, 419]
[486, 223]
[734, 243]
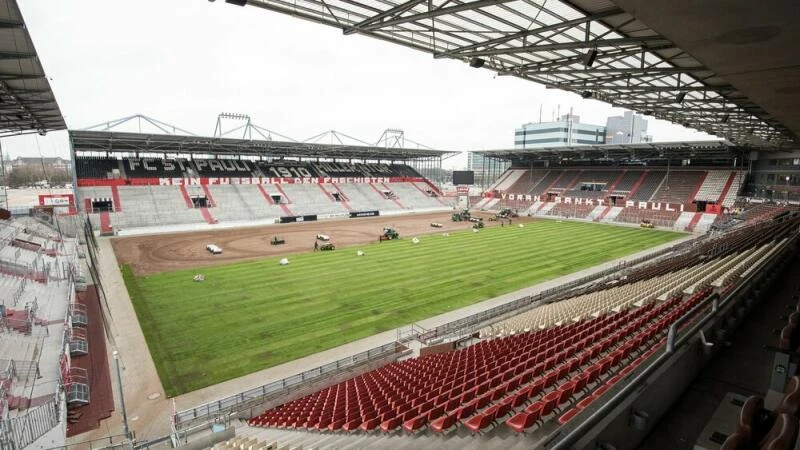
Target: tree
[30, 175]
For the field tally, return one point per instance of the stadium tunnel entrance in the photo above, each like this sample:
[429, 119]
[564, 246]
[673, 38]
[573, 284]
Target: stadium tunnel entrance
[200, 201]
[102, 205]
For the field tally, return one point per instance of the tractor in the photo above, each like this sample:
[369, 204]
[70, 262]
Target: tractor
[389, 234]
[327, 247]
[277, 241]
[477, 225]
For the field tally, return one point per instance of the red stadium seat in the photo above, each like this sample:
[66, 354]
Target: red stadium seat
[549, 402]
[390, 424]
[465, 411]
[567, 416]
[443, 423]
[523, 420]
[584, 402]
[782, 435]
[352, 425]
[370, 425]
[479, 421]
[415, 424]
[565, 392]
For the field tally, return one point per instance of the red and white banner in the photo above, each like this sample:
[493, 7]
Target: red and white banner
[85, 182]
[61, 203]
[56, 200]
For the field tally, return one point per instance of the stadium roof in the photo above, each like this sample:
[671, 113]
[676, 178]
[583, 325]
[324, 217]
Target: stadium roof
[27, 103]
[122, 142]
[683, 150]
[601, 50]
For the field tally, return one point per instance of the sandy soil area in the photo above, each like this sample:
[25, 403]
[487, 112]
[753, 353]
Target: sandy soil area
[165, 252]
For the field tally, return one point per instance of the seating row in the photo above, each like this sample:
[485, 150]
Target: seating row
[549, 371]
[483, 383]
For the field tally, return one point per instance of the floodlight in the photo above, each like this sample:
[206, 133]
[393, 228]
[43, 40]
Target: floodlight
[589, 57]
[477, 63]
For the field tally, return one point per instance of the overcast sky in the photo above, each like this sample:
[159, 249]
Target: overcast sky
[185, 61]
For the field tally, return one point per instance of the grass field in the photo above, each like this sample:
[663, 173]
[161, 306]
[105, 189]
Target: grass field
[250, 316]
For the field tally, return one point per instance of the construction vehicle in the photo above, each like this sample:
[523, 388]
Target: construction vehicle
[464, 215]
[389, 234]
[327, 247]
[477, 225]
[277, 241]
[506, 213]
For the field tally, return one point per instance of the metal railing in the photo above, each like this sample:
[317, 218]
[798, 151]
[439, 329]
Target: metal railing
[19, 432]
[674, 340]
[107, 442]
[213, 410]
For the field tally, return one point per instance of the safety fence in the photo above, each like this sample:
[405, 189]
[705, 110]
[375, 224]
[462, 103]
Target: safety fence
[19, 432]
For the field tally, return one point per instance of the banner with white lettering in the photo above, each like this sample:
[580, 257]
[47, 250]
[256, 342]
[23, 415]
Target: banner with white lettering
[355, 214]
[655, 206]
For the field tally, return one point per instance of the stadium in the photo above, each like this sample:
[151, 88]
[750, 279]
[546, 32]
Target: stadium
[258, 292]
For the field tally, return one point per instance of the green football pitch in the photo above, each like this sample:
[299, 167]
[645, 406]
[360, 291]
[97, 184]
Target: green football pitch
[249, 316]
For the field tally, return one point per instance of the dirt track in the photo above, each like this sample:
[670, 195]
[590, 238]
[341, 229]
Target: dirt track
[164, 252]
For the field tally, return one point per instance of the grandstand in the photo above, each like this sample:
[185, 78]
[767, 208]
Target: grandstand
[592, 361]
[44, 343]
[44, 334]
[689, 198]
[226, 182]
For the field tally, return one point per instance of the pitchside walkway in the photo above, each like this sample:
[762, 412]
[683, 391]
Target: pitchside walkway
[144, 395]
